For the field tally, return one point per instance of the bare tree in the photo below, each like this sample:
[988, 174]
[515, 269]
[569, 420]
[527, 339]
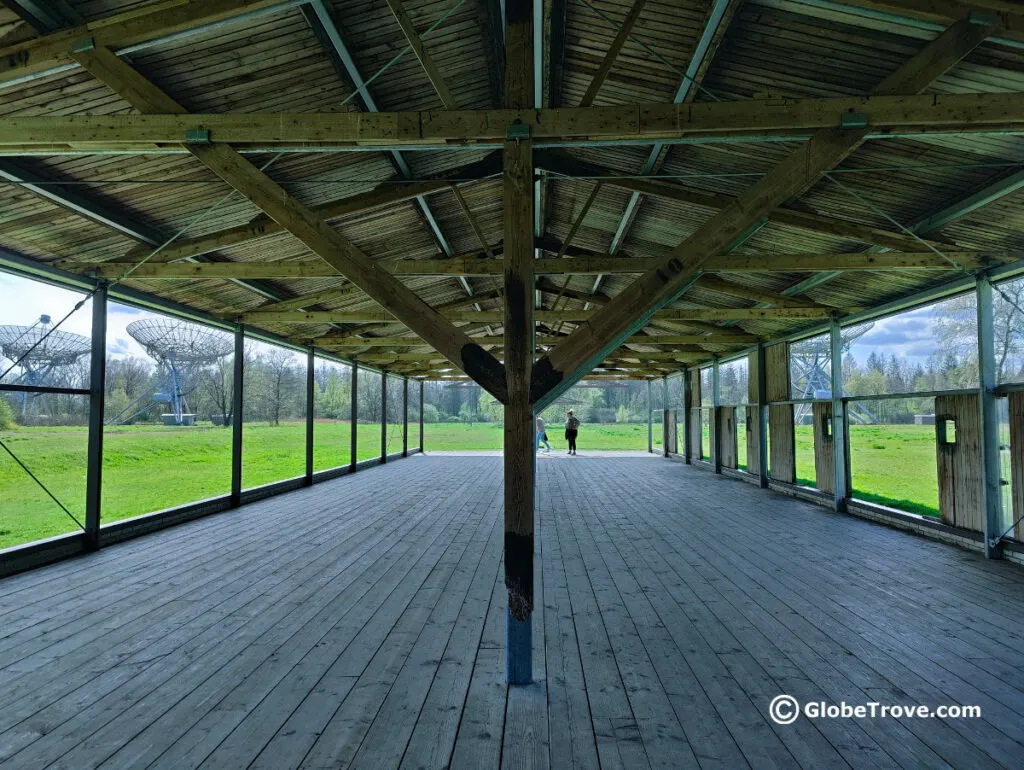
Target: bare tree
[219, 384]
[280, 371]
[956, 327]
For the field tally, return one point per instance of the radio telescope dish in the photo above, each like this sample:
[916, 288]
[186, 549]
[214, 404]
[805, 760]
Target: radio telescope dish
[811, 372]
[167, 339]
[41, 354]
[182, 351]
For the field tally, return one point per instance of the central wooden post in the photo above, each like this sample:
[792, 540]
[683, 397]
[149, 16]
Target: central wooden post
[520, 428]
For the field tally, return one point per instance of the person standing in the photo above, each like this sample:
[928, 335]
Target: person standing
[542, 434]
[572, 429]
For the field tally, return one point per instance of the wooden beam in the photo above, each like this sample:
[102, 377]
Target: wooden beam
[613, 52]
[631, 308]
[136, 25]
[320, 237]
[386, 194]
[1009, 13]
[560, 163]
[341, 342]
[308, 300]
[474, 223]
[721, 286]
[411, 36]
[550, 316]
[520, 432]
[784, 118]
[472, 266]
[895, 261]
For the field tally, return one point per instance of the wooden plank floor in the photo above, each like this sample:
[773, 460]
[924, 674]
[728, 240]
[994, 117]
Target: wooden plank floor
[360, 623]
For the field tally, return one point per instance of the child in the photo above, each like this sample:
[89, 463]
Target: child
[542, 435]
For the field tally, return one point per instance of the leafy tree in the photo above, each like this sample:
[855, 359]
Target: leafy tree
[6, 415]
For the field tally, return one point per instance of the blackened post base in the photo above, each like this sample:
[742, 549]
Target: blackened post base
[518, 650]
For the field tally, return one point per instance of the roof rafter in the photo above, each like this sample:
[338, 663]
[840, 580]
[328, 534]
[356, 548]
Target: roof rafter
[612, 54]
[425, 59]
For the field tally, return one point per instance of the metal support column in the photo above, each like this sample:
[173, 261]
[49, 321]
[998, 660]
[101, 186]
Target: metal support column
[650, 427]
[97, 394]
[839, 433]
[664, 418]
[354, 418]
[991, 493]
[237, 388]
[762, 418]
[405, 417]
[421, 415]
[383, 417]
[687, 397]
[713, 423]
[310, 396]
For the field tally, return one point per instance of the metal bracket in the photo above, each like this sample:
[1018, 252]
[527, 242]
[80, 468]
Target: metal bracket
[983, 18]
[516, 132]
[197, 136]
[851, 120]
[83, 46]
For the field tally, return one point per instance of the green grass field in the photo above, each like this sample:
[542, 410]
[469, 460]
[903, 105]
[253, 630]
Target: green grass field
[149, 468]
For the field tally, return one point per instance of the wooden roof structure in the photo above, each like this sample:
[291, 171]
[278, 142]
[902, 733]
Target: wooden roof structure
[332, 172]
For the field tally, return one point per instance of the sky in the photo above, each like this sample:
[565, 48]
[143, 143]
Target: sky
[22, 301]
[907, 335]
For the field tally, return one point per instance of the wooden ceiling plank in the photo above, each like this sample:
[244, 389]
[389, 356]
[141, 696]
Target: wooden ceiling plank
[612, 54]
[120, 30]
[425, 60]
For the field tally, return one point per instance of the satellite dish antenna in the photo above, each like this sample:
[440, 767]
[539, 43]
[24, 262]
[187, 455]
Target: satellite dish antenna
[42, 354]
[182, 350]
[812, 367]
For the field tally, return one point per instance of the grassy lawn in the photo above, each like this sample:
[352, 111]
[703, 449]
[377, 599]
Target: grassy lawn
[148, 468]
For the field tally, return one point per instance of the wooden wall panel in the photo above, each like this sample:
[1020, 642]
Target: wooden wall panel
[668, 425]
[781, 435]
[752, 378]
[959, 462]
[824, 460]
[781, 444]
[725, 427]
[697, 451]
[776, 368]
[753, 426]
[1016, 406]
